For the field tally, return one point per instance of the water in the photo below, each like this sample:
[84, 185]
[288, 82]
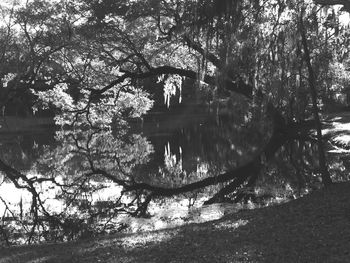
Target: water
[168, 149]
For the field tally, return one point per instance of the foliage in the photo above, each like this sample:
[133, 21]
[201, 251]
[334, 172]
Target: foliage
[95, 63]
[99, 114]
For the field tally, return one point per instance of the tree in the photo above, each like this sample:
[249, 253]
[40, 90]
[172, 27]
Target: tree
[312, 84]
[95, 63]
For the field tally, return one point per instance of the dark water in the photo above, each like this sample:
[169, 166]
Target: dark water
[168, 149]
[186, 140]
[193, 140]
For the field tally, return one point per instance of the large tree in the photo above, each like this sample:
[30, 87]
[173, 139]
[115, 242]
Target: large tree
[93, 62]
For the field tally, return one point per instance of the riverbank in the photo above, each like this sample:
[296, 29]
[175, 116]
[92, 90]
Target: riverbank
[314, 228]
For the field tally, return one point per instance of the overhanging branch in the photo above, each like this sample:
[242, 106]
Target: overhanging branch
[345, 3]
[235, 86]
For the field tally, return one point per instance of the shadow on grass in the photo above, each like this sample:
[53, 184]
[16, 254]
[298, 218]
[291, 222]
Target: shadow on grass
[314, 228]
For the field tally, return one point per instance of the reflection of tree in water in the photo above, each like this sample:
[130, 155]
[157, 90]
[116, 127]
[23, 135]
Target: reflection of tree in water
[69, 173]
[294, 170]
[78, 151]
[291, 173]
[187, 141]
[97, 176]
[21, 150]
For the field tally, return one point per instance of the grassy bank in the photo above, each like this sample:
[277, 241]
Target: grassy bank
[314, 228]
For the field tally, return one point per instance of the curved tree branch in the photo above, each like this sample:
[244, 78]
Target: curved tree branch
[235, 86]
[345, 3]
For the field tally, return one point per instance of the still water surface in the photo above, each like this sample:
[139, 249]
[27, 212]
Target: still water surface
[168, 149]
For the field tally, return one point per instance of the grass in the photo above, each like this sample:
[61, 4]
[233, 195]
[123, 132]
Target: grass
[314, 228]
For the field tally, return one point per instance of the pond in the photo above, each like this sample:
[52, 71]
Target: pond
[169, 148]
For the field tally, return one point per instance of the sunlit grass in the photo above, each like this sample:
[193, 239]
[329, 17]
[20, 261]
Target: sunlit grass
[230, 225]
[338, 123]
[341, 144]
[143, 239]
[175, 216]
[337, 127]
[338, 133]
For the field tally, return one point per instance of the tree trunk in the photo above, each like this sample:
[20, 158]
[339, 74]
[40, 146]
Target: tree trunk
[326, 179]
